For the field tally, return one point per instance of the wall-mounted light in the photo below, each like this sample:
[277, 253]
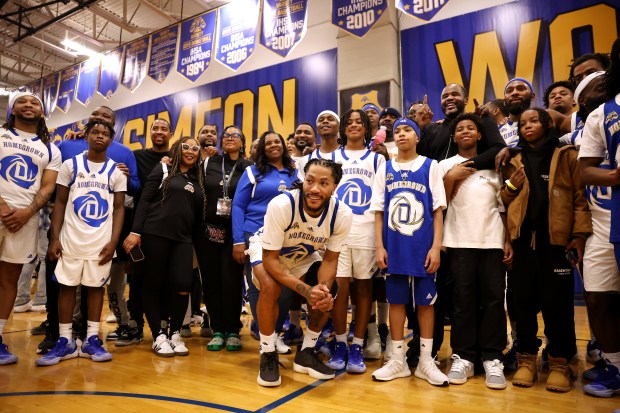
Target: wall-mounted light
[79, 49]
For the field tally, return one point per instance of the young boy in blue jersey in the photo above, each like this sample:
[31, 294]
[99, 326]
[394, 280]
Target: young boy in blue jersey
[408, 200]
[86, 226]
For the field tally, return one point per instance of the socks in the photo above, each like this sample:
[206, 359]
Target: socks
[295, 317]
[398, 350]
[92, 329]
[358, 341]
[267, 343]
[66, 330]
[341, 338]
[426, 350]
[310, 338]
[2, 324]
[383, 311]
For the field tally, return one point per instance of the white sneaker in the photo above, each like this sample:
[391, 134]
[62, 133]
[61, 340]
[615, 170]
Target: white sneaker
[177, 344]
[393, 369]
[23, 308]
[494, 370]
[111, 318]
[38, 308]
[387, 354]
[430, 372]
[162, 347]
[281, 347]
[460, 371]
[372, 351]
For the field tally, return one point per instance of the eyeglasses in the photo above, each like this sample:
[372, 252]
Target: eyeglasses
[187, 147]
[232, 135]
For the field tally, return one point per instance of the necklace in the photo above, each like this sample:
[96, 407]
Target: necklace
[404, 168]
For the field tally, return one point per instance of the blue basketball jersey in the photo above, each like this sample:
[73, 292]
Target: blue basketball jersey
[611, 111]
[408, 219]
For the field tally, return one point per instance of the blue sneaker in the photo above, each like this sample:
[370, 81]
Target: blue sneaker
[607, 384]
[5, 356]
[294, 335]
[593, 373]
[63, 350]
[328, 329]
[351, 331]
[92, 349]
[355, 363]
[338, 360]
[325, 347]
[254, 330]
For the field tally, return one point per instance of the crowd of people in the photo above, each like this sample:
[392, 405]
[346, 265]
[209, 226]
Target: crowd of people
[395, 218]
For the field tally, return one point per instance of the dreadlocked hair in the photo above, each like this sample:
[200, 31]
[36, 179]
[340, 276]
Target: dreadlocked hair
[42, 131]
[344, 120]
[174, 169]
[611, 79]
[335, 167]
[261, 161]
[90, 125]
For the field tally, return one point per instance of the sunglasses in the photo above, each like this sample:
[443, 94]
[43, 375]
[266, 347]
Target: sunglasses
[187, 147]
[232, 135]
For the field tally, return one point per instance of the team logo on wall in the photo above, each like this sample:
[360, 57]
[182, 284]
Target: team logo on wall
[297, 252]
[422, 9]
[91, 208]
[358, 100]
[356, 194]
[19, 170]
[406, 214]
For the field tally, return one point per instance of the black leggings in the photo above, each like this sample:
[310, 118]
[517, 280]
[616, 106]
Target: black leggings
[168, 271]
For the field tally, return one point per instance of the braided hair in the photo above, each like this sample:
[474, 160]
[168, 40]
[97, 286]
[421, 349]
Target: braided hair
[175, 158]
[344, 120]
[42, 131]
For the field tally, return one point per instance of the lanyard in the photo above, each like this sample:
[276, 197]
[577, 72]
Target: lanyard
[226, 182]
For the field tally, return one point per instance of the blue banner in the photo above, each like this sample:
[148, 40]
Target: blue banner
[422, 9]
[236, 32]
[50, 92]
[134, 69]
[483, 50]
[34, 87]
[284, 25]
[110, 72]
[196, 45]
[66, 90]
[357, 17]
[278, 97]
[87, 81]
[163, 50]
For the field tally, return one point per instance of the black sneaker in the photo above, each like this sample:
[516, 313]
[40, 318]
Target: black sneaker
[129, 336]
[47, 344]
[40, 329]
[114, 335]
[269, 374]
[205, 329]
[308, 362]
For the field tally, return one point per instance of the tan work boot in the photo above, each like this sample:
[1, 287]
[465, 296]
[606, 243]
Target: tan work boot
[526, 370]
[560, 375]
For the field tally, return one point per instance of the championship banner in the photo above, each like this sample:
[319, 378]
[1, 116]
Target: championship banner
[196, 45]
[34, 87]
[134, 69]
[257, 101]
[236, 32]
[421, 9]
[284, 25]
[357, 97]
[482, 52]
[50, 92]
[66, 90]
[87, 81]
[357, 17]
[110, 72]
[163, 51]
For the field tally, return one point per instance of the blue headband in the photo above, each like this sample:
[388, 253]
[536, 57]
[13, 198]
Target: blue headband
[527, 82]
[371, 106]
[407, 121]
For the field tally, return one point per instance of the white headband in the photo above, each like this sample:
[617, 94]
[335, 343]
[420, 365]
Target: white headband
[21, 94]
[585, 82]
[328, 112]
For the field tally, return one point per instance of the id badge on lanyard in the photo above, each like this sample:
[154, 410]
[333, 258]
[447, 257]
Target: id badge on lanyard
[224, 204]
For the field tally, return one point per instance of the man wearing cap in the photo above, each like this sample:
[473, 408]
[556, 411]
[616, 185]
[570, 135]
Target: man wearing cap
[373, 112]
[518, 96]
[387, 118]
[29, 165]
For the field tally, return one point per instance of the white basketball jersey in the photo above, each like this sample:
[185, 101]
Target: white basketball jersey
[510, 133]
[23, 158]
[355, 190]
[599, 201]
[88, 214]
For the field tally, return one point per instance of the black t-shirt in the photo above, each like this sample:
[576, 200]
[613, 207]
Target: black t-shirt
[146, 160]
[180, 213]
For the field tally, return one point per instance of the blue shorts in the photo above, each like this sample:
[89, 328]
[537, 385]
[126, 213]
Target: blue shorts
[401, 289]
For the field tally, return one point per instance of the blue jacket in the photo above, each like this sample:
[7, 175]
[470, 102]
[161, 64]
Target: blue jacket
[117, 152]
[253, 194]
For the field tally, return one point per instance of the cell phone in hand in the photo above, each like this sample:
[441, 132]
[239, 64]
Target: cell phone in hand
[572, 256]
[136, 254]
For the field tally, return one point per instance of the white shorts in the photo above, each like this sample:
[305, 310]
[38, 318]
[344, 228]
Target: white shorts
[357, 263]
[20, 247]
[255, 252]
[73, 272]
[600, 270]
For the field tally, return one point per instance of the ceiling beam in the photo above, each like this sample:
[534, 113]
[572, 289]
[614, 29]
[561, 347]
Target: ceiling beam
[31, 60]
[25, 75]
[158, 11]
[112, 18]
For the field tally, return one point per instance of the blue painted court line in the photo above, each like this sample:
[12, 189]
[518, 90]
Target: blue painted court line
[132, 395]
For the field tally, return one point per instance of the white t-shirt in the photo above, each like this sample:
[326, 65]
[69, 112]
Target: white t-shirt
[510, 133]
[297, 235]
[391, 148]
[23, 158]
[436, 183]
[473, 219]
[355, 190]
[90, 206]
[314, 154]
